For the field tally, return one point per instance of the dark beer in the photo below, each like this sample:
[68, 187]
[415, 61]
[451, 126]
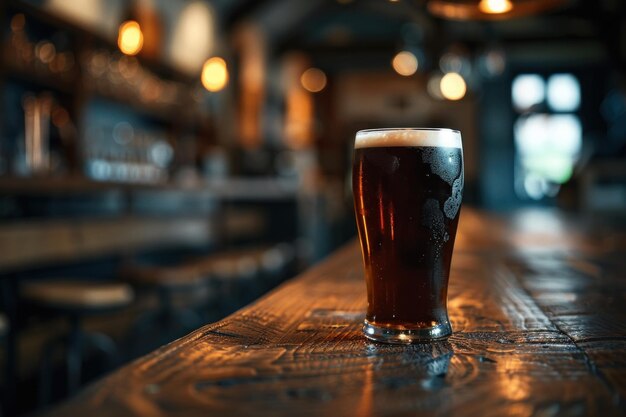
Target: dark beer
[407, 195]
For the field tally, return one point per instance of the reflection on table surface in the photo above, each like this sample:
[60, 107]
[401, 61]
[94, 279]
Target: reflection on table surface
[538, 329]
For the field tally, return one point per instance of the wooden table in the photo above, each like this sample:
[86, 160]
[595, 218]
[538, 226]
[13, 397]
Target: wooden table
[537, 302]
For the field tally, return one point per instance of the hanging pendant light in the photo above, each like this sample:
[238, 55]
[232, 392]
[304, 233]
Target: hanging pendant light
[490, 9]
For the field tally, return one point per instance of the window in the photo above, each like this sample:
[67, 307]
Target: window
[547, 132]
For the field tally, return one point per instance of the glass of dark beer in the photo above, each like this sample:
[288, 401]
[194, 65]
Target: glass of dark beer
[407, 186]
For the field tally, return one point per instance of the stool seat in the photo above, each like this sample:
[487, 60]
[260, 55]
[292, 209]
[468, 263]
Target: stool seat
[165, 276]
[234, 268]
[277, 257]
[233, 264]
[74, 294]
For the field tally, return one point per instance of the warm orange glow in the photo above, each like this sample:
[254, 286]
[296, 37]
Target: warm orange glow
[405, 63]
[299, 103]
[392, 223]
[45, 51]
[60, 117]
[490, 9]
[368, 250]
[250, 44]
[453, 86]
[365, 405]
[299, 119]
[313, 80]
[495, 6]
[130, 38]
[513, 379]
[214, 74]
[18, 22]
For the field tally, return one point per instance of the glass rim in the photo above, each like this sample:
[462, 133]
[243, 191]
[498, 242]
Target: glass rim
[388, 129]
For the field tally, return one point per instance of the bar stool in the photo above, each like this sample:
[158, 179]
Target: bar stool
[169, 283]
[275, 263]
[254, 270]
[233, 275]
[76, 300]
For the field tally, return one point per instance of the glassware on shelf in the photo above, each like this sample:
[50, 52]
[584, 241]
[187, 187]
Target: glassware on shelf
[126, 154]
[37, 133]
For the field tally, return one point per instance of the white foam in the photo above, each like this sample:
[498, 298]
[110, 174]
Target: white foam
[447, 138]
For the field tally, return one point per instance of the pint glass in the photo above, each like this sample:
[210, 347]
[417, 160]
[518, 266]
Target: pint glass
[407, 186]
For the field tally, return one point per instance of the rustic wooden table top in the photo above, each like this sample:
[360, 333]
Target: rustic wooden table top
[538, 306]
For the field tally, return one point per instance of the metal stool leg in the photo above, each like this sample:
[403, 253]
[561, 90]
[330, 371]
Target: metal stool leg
[167, 316]
[75, 344]
[8, 293]
[104, 344]
[189, 319]
[74, 355]
[46, 370]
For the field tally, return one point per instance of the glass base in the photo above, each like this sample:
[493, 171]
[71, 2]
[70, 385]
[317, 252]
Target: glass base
[404, 336]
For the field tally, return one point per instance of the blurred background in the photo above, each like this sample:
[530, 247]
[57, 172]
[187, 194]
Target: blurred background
[165, 162]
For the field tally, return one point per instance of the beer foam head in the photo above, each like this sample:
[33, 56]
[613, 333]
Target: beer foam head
[377, 138]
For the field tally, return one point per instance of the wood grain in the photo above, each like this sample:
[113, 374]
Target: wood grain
[539, 330]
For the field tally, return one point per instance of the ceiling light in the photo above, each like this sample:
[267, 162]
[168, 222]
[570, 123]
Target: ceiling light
[495, 6]
[491, 9]
[130, 38]
[214, 74]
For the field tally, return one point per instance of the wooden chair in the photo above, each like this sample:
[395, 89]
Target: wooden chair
[75, 300]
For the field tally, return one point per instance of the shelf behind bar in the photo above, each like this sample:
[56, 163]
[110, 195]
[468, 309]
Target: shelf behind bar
[40, 14]
[262, 188]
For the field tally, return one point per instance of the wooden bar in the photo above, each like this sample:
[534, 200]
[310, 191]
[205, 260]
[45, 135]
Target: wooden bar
[537, 302]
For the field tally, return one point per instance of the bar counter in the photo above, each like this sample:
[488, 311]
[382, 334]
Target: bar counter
[537, 301]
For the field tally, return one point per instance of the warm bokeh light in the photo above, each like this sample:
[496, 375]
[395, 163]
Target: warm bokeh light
[214, 74]
[87, 13]
[251, 50]
[313, 80]
[299, 103]
[45, 51]
[453, 86]
[433, 86]
[405, 63]
[495, 6]
[130, 38]
[18, 22]
[193, 36]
